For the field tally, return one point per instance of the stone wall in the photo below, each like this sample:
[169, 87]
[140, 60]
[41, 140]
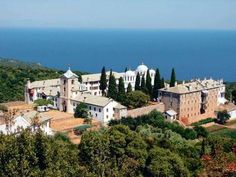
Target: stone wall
[145, 110]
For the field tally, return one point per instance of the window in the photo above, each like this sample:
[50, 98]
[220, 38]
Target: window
[96, 115]
[107, 117]
[90, 107]
[72, 82]
[99, 109]
[107, 110]
[64, 82]
[94, 108]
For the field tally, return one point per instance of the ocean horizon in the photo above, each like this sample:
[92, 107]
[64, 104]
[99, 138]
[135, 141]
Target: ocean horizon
[193, 53]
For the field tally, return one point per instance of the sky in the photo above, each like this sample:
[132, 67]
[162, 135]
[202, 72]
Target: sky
[147, 14]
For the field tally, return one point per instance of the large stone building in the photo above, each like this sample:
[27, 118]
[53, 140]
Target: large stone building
[195, 100]
[66, 93]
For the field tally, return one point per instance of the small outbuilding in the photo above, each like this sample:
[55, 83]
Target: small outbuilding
[170, 115]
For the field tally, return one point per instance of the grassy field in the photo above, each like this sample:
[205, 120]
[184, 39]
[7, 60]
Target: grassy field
[215, 128]
[223, 131]
[226, 133]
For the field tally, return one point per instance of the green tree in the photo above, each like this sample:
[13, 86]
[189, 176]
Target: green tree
[162, 82]
[103, 81]
[201, 131]
[165, 163]
[94, 152]
[137, 82]
[223, 116]
[112, 87]
[81, 111]
[173, 78]
[157, 84]
[129, 88]
[143, 85]
[121, 91]
[43, 102]
[149, 83]
[136, 99]
[234, 96]
[126, 69]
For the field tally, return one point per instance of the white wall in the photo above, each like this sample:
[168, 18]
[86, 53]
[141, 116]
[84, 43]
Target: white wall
[20, 123]
[232, 114]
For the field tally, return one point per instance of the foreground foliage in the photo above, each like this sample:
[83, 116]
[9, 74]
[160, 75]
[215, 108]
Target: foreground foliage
[146, 149]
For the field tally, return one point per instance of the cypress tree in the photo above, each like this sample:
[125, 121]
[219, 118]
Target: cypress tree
[157, 84]
[126, 69]
[163, 83]
[143, 85]
[112, 87]
[137, 82]
[129, 88]
[149, 83]
[173, 78]
[121, 91]
[103, 81]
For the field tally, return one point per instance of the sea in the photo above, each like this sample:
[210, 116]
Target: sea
[193, 53]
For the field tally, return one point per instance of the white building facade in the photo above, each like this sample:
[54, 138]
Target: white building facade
[24, 121]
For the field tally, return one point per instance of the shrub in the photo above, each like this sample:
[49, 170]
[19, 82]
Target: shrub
[201, 131]
[81, 111]
[43, 102]
[3, 108]
[137, 99]
[61, 136]
[202, 122]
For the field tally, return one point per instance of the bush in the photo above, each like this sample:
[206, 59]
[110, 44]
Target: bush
[155, 119]
[137, 99]
[80, 129]
[3, 108]
[202, 122]
[62, 137]
[81, 111]
[43, 102]
[201, 131]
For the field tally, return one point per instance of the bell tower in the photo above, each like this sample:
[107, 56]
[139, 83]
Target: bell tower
[68, 80]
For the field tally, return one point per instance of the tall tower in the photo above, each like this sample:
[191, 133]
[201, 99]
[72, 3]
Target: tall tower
[68, 80]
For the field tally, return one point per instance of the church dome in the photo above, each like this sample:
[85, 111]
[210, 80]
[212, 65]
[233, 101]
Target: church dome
[152, 72]
[142, 69]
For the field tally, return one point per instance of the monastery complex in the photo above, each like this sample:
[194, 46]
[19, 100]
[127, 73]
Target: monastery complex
[187, 102]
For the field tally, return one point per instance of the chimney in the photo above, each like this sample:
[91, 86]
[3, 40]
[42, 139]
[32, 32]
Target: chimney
[176, 83]
[183, 82]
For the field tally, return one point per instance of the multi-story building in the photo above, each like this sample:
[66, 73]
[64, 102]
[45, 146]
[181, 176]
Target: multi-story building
[67, 93]
[195, 100]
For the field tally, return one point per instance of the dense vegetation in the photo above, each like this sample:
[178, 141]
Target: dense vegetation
[14, 75]
[146, 149]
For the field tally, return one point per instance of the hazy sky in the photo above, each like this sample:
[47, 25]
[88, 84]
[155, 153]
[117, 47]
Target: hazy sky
[181, 14]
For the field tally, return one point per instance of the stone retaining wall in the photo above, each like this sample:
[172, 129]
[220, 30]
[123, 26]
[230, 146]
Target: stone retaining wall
[145, 110]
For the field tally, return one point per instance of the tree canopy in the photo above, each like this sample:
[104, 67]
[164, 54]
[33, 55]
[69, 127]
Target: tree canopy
[149, 83]
[173, 78]
[112, 87]
[137, 82]
[81, 111]
[157, 84]
[103, 81]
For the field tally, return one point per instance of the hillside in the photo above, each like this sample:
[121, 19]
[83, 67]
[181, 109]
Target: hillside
[14, 74]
